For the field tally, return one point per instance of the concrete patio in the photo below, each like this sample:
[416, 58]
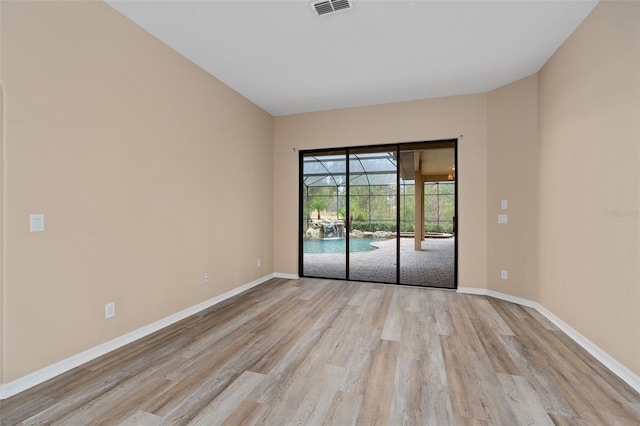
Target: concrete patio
[433, 266]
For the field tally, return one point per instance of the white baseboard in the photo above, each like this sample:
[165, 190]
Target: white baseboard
[42, 375]
[471, 290]
[287, 276]
[607, 360]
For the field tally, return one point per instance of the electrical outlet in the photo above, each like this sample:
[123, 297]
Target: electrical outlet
[503, 274]
[206, 278]
[258, 263]
[36, 223]
[502, 218]
[110, 310]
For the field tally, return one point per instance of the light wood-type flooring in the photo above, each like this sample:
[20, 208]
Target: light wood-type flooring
[310, 351]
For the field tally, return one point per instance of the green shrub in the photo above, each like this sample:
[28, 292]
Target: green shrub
[373, 226]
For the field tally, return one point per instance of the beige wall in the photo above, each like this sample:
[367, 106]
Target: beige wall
[149, 171]
[3, 268]
[589, 141]
[512, 163]
[444, 118]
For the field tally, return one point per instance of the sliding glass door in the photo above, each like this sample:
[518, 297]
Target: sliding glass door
[367, 214]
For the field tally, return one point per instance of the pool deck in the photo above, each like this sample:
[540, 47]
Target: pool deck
[433, 266]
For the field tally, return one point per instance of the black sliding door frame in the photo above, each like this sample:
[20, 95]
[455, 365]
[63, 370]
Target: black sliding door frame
[397, 148]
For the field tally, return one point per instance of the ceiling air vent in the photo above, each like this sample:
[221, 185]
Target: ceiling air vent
[326, 7]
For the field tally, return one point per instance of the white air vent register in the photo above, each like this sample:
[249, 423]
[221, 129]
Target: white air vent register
[326, 7]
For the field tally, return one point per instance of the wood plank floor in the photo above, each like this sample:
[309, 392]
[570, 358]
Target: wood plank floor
[323, 352]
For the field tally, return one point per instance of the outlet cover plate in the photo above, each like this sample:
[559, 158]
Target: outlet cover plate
[110, 310]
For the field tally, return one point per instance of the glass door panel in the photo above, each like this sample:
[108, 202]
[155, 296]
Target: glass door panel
[427, 208]
[324, 211]
[373, 215]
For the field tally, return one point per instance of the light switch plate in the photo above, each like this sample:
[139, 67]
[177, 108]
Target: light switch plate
[504, 204]
[36, 223]
[502, 218]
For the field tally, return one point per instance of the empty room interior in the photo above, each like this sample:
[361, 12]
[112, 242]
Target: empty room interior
[165, 162]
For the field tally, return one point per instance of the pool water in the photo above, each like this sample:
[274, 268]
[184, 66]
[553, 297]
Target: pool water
[338, 245]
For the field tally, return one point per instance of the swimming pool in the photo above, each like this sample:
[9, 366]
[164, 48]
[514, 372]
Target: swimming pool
[337, 245]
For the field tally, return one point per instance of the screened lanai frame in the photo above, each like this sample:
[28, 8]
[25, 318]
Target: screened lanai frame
[368, 169]
[376, 165]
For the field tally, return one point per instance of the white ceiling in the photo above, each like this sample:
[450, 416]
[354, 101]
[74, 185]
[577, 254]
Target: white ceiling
[285, 59]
